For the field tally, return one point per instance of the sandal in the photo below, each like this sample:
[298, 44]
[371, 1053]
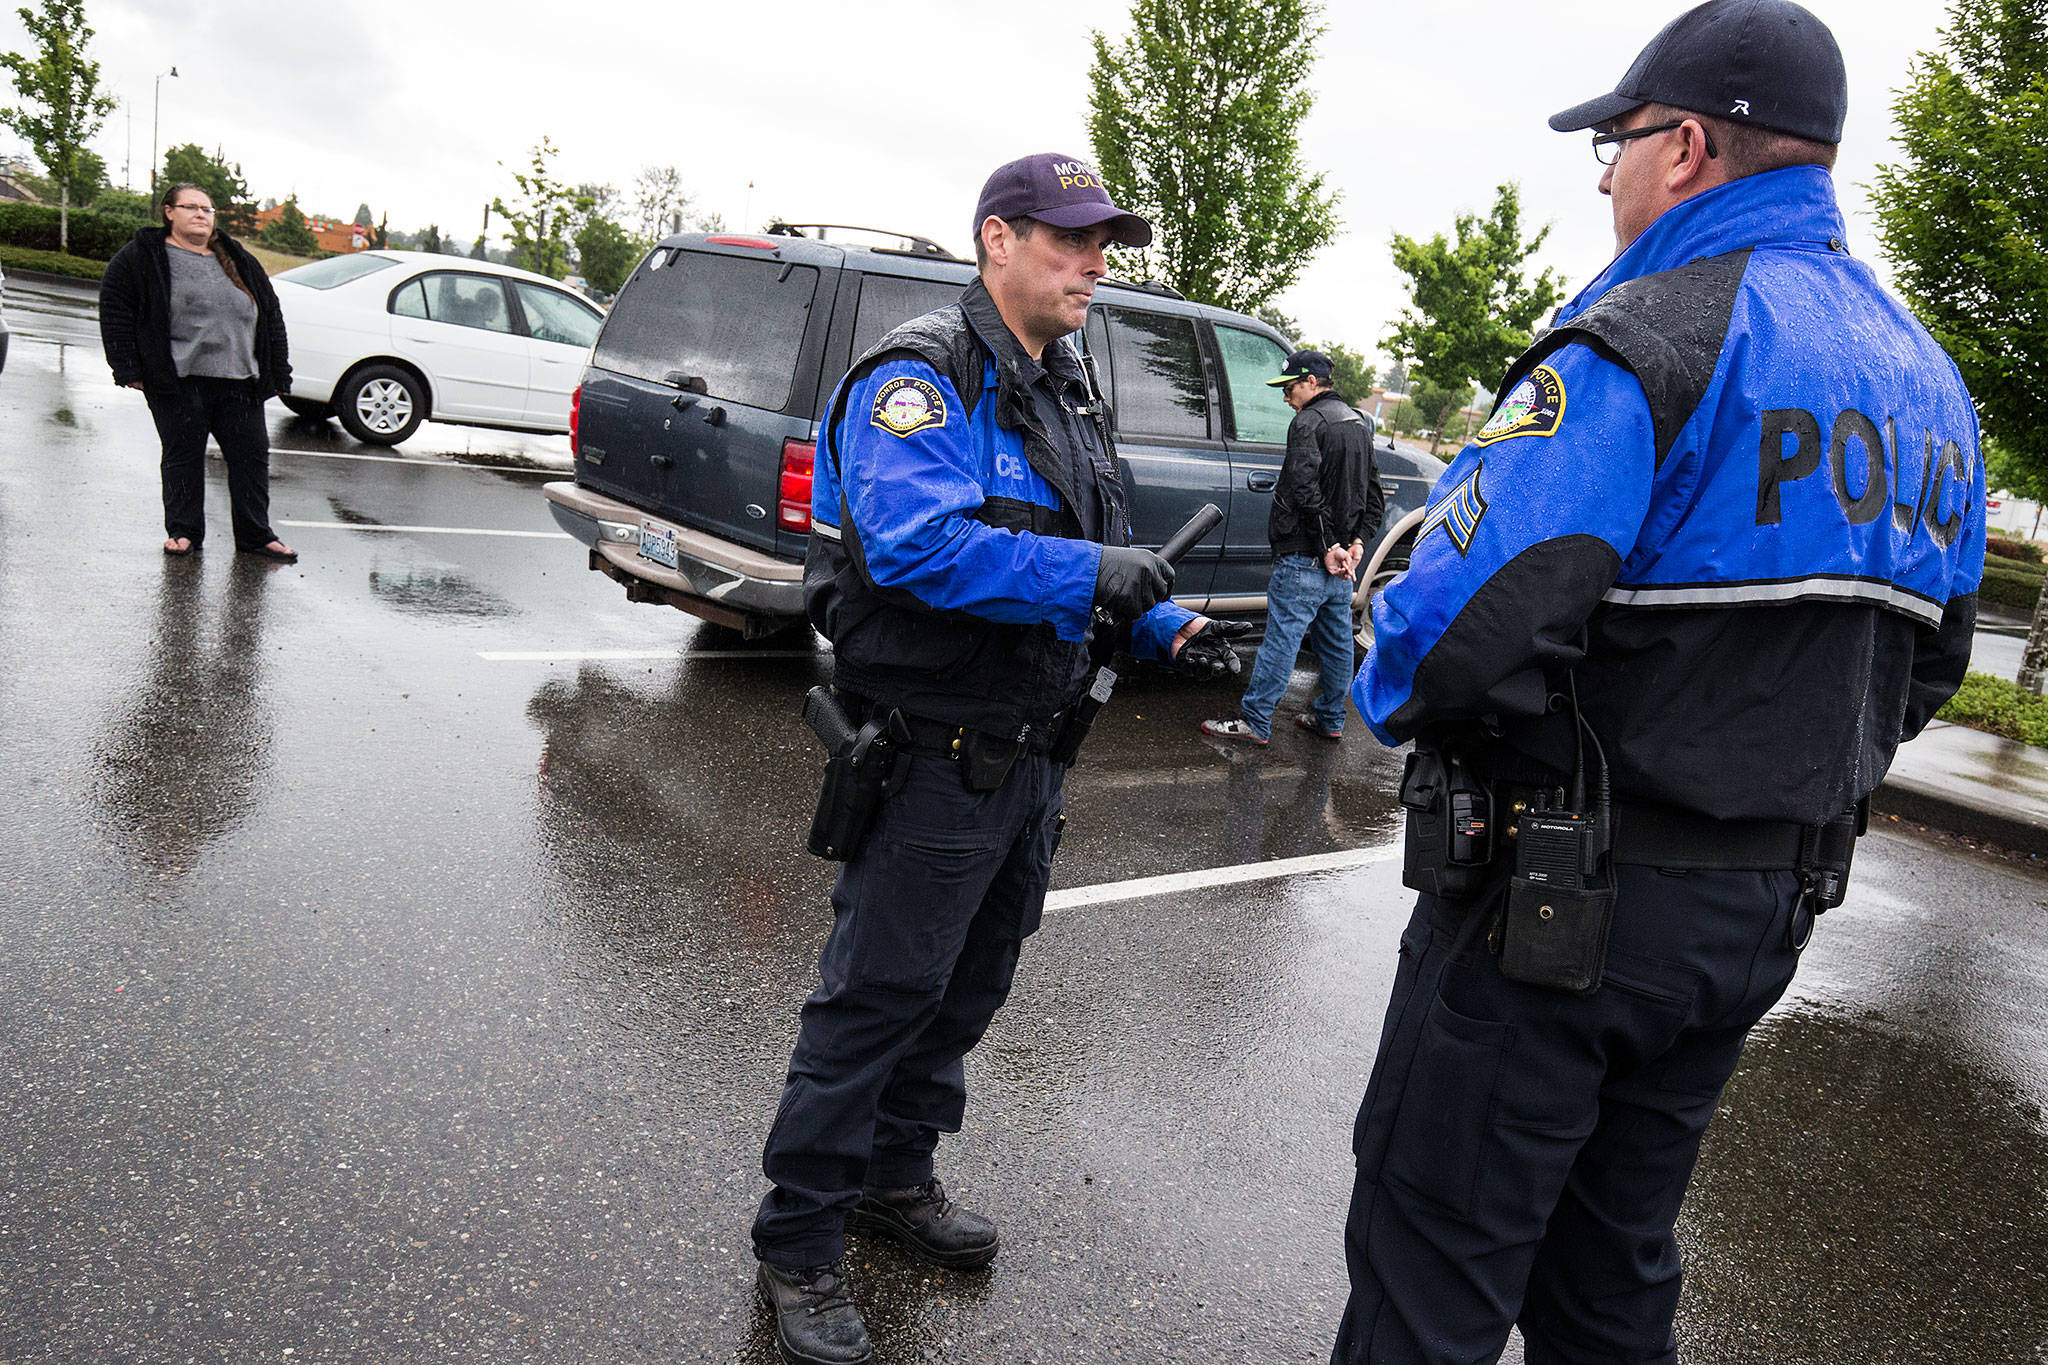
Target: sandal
[282, 556]
[171, 547]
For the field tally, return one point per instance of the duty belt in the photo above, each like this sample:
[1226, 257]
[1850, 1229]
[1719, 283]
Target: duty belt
[1647, 834]
[944, 740]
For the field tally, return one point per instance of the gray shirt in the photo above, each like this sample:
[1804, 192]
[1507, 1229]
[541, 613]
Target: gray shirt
[213, 324]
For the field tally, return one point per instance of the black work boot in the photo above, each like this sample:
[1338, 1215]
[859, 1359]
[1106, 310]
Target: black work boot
[815, 1322]
[930, 1225]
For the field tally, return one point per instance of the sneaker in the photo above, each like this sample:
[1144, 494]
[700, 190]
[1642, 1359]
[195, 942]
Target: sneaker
[815, 1321]
[1237, 729]
[1307, 721]
[932, 1227]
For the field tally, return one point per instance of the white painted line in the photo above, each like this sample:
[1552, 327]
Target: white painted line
[1173, 882]
[424, 530]
[423, 464]
[551, 656]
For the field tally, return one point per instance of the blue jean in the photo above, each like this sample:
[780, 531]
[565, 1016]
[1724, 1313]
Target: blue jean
[1302, 600]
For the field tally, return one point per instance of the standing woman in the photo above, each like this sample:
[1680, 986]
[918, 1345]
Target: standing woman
[188, 316]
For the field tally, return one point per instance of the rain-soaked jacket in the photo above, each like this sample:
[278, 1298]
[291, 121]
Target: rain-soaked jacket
[948, 564]
[1737, 492]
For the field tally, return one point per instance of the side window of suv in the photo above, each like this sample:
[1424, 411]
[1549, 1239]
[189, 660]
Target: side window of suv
[1160, 389]
[888, 300]
[1258, 412]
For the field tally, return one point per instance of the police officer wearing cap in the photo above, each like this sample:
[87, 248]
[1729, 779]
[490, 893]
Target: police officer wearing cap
[1714, 556]
[1326, 509]
[969, 521]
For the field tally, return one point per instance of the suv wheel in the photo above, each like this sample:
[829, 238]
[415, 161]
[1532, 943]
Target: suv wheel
[1361, 601]
[381, 404]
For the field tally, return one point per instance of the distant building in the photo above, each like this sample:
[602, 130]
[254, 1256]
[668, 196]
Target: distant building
[332, 234]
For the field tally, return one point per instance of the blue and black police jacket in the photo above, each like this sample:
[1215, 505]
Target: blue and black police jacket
[1737, 493]
[948, 564]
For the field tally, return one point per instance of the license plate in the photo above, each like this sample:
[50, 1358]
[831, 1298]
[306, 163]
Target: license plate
[658, 543]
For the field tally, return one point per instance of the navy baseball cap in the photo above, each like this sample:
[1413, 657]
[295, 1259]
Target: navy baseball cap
[1303, 365]
[1062, 190]
[1767, 62]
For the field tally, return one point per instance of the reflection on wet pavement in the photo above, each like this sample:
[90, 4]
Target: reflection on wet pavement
[437, 593]
[185, 757]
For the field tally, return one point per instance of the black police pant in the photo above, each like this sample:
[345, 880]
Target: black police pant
[1522, 1153]
[927, 922]
[231, 412]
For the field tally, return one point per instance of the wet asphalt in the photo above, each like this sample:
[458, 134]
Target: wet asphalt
[384, 978]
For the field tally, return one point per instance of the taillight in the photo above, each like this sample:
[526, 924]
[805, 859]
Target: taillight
[793, 512]
[575, 414]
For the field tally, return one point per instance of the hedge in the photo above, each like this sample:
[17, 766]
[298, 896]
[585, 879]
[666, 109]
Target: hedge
[2000, 708]
[2011, 583]
[51, 263]
[94, 235]
[2007, 548]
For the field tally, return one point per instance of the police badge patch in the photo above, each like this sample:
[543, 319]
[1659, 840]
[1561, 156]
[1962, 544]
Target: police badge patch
[905, 406]
[1535, 408]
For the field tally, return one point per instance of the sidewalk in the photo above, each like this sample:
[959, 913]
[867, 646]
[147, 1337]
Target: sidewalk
[1970, 783]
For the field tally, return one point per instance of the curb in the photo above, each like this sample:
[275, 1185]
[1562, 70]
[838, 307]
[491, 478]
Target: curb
[1910, 800]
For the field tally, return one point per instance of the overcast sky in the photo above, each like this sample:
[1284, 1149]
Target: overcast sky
[852, 111]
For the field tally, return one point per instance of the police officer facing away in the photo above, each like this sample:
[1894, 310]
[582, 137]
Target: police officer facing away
[1716, 550]
[968, 517]
[1326, 509]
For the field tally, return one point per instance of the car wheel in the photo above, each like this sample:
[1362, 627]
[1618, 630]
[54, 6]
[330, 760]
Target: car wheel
[1390, 568]
[381, 404]
[308, 409]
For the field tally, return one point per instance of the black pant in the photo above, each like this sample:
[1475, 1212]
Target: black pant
[1522, 1154]
[231, 411]
[927, 923]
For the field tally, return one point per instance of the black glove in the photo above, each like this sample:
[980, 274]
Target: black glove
[1131, 582]
[1208, 654]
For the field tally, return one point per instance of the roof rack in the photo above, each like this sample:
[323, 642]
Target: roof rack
[1149, 287]
[912, 245]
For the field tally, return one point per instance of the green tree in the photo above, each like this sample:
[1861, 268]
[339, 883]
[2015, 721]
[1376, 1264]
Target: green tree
[430, 240]
[1194, 120]
[607, 254]
[539, 225]
[220, 178]
[1349, 374]
[1397, 377]
[1436, 406]
[62, 103]
[1963, 217]
[289, 233]
[2003, 472]
[1472, 306]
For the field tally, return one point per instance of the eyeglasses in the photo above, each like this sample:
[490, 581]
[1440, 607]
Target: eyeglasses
[1607, 146]
[206, 209]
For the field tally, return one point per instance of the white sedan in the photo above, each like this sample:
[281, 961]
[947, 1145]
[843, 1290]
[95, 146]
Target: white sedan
[385, 340]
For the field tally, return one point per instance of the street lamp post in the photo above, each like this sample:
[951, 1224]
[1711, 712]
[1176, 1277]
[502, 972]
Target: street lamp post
[156, 112]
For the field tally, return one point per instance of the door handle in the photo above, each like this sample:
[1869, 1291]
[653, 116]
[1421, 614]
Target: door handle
[1389, 487]
[1262, 482]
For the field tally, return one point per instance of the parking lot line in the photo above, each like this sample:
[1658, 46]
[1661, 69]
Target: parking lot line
[423, 530]
[554, 656]
[1075, 897]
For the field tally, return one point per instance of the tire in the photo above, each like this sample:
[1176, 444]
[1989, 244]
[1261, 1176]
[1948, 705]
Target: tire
[1361, 602]
[308, 409]
[381, 405]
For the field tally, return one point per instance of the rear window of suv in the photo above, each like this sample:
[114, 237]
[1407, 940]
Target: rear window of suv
[735, 322]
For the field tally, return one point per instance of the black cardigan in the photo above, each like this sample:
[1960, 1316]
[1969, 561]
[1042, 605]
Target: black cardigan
[135, 316]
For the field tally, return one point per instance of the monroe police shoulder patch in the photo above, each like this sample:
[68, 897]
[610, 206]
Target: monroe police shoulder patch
[1458, 512]
[1534, 408]
[905, 406]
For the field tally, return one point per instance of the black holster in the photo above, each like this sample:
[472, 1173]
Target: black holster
[866, 768]
[1449, 846]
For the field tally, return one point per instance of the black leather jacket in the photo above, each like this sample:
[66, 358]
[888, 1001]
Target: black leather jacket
[1329, 491]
